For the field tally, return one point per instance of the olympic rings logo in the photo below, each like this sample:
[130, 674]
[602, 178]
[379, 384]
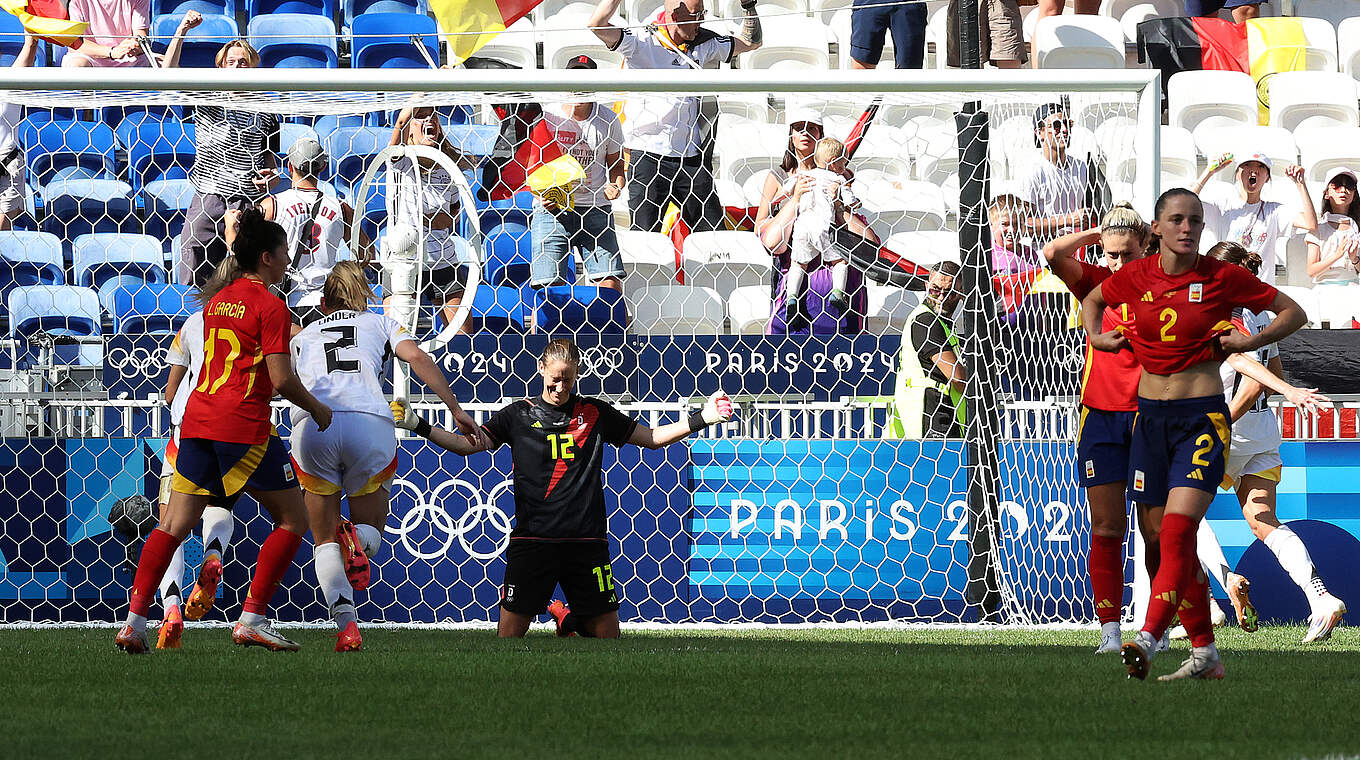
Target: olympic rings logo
[464, 530]
[601, 361]
[136, 362]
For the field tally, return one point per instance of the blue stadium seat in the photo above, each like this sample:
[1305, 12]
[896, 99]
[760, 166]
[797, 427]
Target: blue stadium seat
[324, 125]
[203, 41]
[62, 148]
[80, 206]
[294, 41]
[12, 41]
[508, 250]
[155, 308]
[157, 149]
[29, 258]
[515, 210]
[579, 309]
[165, 202]
[180, 7]
[58, 311]
[102, 256]
[324, 8]
[351, 149]
[375, 47]
[498, 310]
[356, 8]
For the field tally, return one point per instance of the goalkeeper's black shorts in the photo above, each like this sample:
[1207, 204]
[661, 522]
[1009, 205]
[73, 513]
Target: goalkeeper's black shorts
[534, 567]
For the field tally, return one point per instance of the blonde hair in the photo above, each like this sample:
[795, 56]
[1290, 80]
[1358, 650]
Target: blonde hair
[346, 287]
[562, 350]
[1122, 218]
[828, 149]
[227, 272]
[252, 54]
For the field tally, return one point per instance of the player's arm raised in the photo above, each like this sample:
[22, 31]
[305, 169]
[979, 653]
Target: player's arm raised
[288, 385]
[460, 444]
[1061, 253]
[718, 409]
[430, 374]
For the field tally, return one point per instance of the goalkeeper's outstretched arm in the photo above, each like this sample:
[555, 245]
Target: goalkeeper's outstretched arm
[718, 409]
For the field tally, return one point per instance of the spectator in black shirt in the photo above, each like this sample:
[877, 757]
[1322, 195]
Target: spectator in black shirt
[557, 444]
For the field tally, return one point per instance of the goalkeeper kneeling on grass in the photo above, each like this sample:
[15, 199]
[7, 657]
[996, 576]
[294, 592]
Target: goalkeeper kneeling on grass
[557, 442]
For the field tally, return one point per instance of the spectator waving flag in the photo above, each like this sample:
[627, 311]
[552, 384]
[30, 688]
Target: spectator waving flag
[549, 170]
[46, 19]
[471, 24]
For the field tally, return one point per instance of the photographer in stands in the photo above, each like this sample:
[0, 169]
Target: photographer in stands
[928, 401]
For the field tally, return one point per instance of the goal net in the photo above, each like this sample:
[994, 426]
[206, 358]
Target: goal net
[831, 497]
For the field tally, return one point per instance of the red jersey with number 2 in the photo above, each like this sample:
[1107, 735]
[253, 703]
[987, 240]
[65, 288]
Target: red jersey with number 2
[242, 324]
[1178, 318]
[1109, 381]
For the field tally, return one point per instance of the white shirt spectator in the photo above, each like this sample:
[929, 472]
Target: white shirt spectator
[111, 22]
[1258, 227]
[666, 126]
[590, 142]
[1328, 237]
[1056, 188]
[417, 198]
[315, 223]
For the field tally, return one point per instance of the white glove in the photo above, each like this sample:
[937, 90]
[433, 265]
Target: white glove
[718, 409]
[403, 415]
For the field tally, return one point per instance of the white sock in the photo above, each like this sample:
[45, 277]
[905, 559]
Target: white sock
[370, 538]
[793, 284]
[1293, 556]
[1111, 628]
[840, 272]
[1211, 555]
[335, 588]
[1212, 649]
[138, 622]
[217, 528]
[252, 618]
[174, 576]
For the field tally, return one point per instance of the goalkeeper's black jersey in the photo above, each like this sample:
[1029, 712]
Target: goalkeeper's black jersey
[557, 452]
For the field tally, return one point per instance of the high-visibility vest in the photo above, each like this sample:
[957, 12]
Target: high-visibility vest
[909, 398]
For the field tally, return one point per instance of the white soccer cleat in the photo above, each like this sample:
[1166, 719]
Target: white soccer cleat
[262, 635]
[1326, 616]
[1164, 643]
[1109, 639]
[1176, 634]
[1203, 663]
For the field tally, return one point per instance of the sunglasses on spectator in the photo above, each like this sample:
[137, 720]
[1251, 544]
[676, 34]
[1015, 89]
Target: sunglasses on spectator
[1057, 124]
[1346, 183]
[681, 16]
[806, 127]
[936, 290]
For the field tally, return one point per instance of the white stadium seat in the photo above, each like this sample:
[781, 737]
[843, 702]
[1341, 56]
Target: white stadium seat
[1115, 139]
[725, 261]
[893, 206]
[676, 309]
[768, 9]
[648, 258]
[1306, 298]
[925, 249]
[643, 11]
[791, 42]
[888, 308]
[1302, 99]
[1348, 47]
[1334, 11]
[1212, 98]
[516, 45]
[559, 47]
[1273, 141]
[1079, 42]
[1131, 13]
[1337, 305]
[748, 310]
[1320, 54]
[1328, 148]
[937, 31]
[1180, 159]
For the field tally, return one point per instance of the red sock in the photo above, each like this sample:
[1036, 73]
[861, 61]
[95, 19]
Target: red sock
[275, 557]
[1106, 567]
[1194, 610]
[1178, 563]
[156, 555]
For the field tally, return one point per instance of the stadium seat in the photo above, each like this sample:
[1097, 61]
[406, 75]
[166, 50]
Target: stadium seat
[1335, 11]
[1115, 138]
[888, 309]
[1319, 53]
[748, 310]
[642, 11]
[375, 46]
[937, 31]
[158, 149]
[356, 8]
[508, 250]
[324, 8]
[99, 257]
[80, 206]
[1307, 299]
[58, 311]
[575, 309]
[351, 150]
[1275, 142]
[1348, 46]
[724, 261]
[68, 149]
[676, 309]
[925, 249]
[1180, 158]
[648, 258]
[29, 258]
[165, 202]
[796, 43]
[1306, 99]
[12, 41]
[294, 41]
[515, 46]
[561, 46]
[180, 7]
[561, 14]
[515, 209]
[1326, 149]
[1133, 12]
[497, 309]
[893, 207]
[1079, 42]
[780, 9]
[1211, 98]
[202, 42]
[154, 308]
[749, 107]
[1336, 306]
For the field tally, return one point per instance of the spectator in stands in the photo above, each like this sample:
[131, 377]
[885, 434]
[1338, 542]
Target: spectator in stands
[111, 39]
[1001, 35]
[1334, 250]
[592, 134]
[928, 401]
[234, 164]
[1055, 184]
[13, 189]
[870, 21]
[1242, 10]
[1246, 219]
[668, 162]
[1010, 254]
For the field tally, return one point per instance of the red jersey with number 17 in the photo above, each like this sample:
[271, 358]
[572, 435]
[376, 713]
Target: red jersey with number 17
[242, 324]
[1109, 381]
[1178, 318]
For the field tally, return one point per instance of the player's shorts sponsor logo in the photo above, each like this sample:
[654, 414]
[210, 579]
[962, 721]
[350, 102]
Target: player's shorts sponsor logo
[427, 530]
[1138, 480]
[135, 362]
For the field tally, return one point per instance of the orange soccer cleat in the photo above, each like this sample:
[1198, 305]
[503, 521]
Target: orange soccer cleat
[349, 640]
[352, 553]
[172, 628]
[205, 590]
[559, 613]
[132, 641]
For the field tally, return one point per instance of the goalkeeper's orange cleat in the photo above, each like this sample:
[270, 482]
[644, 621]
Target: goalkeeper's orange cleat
[349, 639]
[205, 590]
[132, 641]
[559, 613]
[352, 554]
[1239, 593]
[172, 628]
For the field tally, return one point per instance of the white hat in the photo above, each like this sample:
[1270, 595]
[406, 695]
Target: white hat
[1341, 171]
[1259, 158]
[799, 111]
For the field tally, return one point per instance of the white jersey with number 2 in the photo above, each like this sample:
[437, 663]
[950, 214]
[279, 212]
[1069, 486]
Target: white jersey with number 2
[186, 351]
[340, 358]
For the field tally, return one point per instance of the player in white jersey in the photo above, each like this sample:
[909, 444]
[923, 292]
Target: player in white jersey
[340, 359]
[184, 357]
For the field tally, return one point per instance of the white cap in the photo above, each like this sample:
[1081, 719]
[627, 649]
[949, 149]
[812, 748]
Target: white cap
[1340, 171]
[1259, 158]
[798, 110]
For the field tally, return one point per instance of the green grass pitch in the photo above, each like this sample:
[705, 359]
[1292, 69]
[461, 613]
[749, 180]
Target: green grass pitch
[817, 693]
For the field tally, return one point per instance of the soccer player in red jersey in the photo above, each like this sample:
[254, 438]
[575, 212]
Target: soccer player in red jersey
[1182, 305]
[227, 443]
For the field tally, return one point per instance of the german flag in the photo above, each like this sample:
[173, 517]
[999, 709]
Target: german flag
[548, 169]
[471, 24]
[1274, 45]
[46, 19]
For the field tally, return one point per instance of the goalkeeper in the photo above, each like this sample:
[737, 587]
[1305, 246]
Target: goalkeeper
[557, 443]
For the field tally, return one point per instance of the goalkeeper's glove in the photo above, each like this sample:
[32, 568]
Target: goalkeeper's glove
[718, 409]
[407, 419]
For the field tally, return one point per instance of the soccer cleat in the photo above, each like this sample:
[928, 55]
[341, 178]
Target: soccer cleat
[1322, 621]
[1239, 590]
[559, 613]
[1202, 664]
[262, 635]
[205, 589]
[352, 554]
[1177, 633]
[132, 641]
[1164, 643]
[1109, 639]
[172, 628]
[839, 301]
[1137, 656]
[349, 640]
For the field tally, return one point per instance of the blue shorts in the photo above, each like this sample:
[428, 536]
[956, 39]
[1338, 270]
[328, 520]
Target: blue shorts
[1212, 7]
[217, 469]
[869, 28]
[1178, 444]
[1103, 446]
[591, 229]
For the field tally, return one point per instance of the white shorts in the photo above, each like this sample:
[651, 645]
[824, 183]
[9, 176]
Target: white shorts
[809, 243]
[357, 454]
[1263, 464]
[12, 189]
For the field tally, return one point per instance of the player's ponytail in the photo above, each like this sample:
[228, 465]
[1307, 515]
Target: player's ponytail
[227, 273]
[254, 237]
[562, 350]
[346, 287]
[1121, 218]
[1234, 253]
